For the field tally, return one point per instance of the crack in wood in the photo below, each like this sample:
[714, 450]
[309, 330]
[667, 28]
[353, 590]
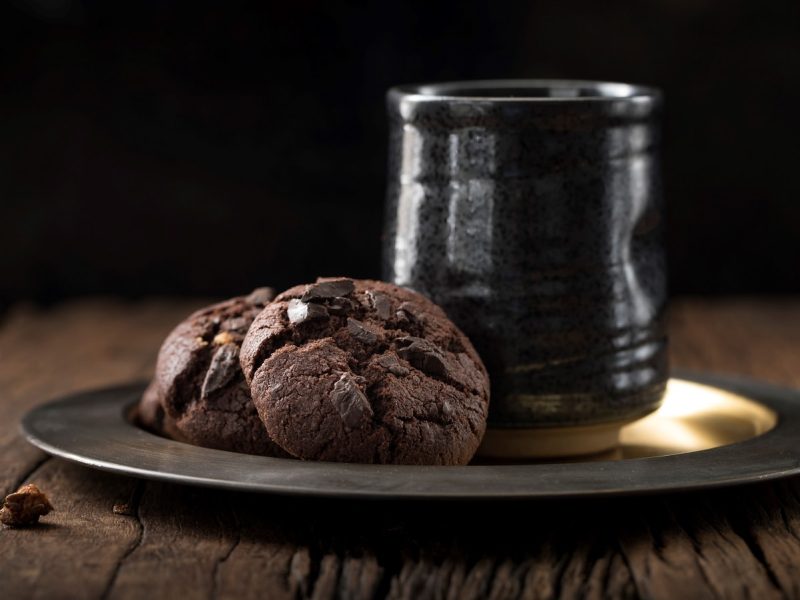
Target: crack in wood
[479, 578]
[559, 567]
[135, 501]
[29, 472]
[741, 530]
[604, 562]
[327, 581]
[388, 569]
[315, 556]
[620, 549]
[224, 558]
[505, 583]
[698, 551]
[786, 523]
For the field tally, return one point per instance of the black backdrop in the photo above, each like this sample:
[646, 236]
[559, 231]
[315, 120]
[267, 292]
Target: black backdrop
[188, 147]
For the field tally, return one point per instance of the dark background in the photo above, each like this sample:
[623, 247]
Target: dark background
[183, 147]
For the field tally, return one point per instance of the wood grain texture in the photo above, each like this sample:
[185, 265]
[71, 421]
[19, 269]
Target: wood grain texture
[183, 542]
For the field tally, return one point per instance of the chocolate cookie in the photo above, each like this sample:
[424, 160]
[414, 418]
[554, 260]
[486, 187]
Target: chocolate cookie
[199, 385]
[365, 371]
[151, 415]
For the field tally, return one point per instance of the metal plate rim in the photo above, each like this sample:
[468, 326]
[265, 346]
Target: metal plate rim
[63, 428]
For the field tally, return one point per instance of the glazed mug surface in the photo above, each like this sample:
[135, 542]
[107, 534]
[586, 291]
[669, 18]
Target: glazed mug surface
[531, 211]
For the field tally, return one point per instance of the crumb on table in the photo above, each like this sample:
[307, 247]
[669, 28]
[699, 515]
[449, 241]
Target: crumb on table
[24, 507]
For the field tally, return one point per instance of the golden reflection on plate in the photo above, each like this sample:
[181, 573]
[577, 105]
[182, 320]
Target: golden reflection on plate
[692, 417]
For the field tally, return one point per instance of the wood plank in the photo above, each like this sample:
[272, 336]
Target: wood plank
[753, 337]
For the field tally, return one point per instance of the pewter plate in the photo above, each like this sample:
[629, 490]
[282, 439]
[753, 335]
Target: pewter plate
[712, 431]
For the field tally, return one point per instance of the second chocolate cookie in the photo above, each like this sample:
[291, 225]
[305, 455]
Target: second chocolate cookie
[199, 394]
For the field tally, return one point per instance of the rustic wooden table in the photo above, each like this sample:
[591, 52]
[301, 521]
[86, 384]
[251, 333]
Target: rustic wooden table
[182, 542]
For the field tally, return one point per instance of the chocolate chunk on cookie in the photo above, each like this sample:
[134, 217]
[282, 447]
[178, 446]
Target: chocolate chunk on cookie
[223, 369]
[380, 376]
[199, 394]
[350, 400]
[361, 331]
[299, 311]
[328, 289]
[380, 303]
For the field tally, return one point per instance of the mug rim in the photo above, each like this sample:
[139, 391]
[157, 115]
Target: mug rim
[605, 91]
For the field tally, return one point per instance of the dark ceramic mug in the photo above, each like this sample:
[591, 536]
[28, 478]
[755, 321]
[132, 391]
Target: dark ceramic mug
[531, 212]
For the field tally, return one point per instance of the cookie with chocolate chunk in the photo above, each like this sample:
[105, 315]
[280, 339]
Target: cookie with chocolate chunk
[365, 371]
[199, 394]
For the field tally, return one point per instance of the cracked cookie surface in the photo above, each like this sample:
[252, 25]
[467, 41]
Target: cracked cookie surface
[365, 371]
[199, 394]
